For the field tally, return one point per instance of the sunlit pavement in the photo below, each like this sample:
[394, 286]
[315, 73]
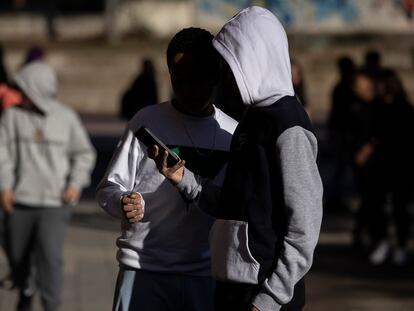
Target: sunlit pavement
[339, 279]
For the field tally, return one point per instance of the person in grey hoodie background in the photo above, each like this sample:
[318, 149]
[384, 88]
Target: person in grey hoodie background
[270, 206]
[46, 159]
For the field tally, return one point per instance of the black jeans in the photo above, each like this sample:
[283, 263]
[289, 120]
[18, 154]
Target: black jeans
[238, 297]
[139, 290]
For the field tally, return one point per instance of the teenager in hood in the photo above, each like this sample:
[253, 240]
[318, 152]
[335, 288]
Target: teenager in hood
[270, 210]
[45, 161]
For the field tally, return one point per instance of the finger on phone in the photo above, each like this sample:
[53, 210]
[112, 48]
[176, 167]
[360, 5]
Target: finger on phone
[153, 151]
[164, 164]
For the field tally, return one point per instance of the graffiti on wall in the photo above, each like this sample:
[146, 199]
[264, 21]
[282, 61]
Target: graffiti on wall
[323, 15]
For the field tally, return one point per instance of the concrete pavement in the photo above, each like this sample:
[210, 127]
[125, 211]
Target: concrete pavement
[339, 279]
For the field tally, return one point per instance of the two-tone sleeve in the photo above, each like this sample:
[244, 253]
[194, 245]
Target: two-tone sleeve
[120, 175]
[302, 187]
[201, 192]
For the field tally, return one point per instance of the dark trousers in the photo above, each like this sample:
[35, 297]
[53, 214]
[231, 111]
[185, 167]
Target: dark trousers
[139, 290]
[36, 237]
[400, 195]
[376, 184]
[238, 297]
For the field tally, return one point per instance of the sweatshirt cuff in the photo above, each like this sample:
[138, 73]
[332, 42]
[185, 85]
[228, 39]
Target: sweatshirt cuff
[264, 302]
[6, 186]
[188, 185]
[76, 184]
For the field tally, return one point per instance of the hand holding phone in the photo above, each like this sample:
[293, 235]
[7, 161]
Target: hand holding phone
[173, 173]
[149, 139]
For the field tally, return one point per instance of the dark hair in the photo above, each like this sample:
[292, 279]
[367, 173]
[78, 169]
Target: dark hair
[148, 68]
[195, 40]
[346, 66]
[372, 59]
[393, 85]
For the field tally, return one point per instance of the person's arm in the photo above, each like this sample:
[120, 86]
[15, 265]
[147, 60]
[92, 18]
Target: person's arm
[297, 151]
[202, 191]
[7, 160]
[119, 179]
[82, 159]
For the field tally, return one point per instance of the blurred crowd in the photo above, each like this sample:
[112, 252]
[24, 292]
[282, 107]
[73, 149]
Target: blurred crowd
[371, 129]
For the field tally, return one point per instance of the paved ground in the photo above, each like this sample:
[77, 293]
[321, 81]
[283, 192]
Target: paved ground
[338, 281]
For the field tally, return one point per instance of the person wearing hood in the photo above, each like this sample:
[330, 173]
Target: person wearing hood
[45, 160]
[270, 206]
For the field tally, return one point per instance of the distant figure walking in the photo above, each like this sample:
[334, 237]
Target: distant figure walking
[340, 131]
[396, 168]
[142, 92]
[3, 72]
[298, 82]
[45, 160]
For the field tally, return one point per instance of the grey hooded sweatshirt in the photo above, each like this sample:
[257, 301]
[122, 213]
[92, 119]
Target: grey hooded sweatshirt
[269, 210]
[42, 152]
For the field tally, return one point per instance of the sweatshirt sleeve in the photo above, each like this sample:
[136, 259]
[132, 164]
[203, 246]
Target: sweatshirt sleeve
[203, 192]
[82, 155]
[297, 151]
[119, 178]
[7, 151]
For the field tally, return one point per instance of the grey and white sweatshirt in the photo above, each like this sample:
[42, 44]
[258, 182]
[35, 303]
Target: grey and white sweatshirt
[269, 210]
[172, 237]
[41, 153]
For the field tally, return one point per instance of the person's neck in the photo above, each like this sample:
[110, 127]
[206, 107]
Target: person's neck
[207, 111]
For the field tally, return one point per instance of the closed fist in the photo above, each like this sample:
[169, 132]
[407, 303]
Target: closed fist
[133, 207]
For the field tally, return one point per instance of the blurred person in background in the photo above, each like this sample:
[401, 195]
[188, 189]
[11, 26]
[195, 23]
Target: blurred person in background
[373, 67]
[339, 131]
[8, 97]
[363, 139]
[298, 82]
[142, 92]
[45, 161]
[163, 250]
[35, 53]
[396, 155]
[3, 72]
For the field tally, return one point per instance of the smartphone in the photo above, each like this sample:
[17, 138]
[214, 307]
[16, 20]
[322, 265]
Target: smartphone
[149, 139]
